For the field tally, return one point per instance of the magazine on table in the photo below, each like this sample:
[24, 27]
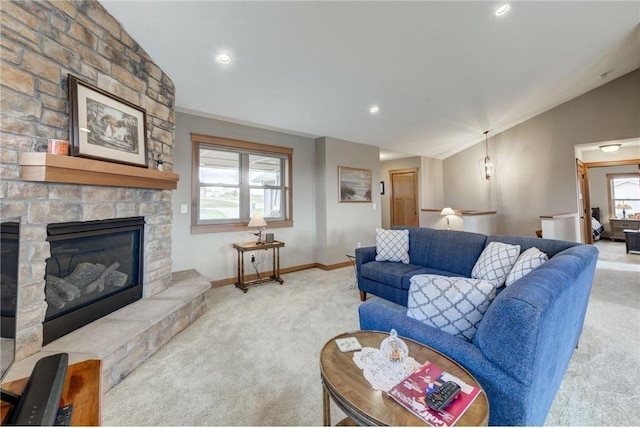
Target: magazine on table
[412, 391]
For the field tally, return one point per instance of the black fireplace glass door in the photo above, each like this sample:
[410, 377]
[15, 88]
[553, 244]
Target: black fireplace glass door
[88, 264]
[9, 269]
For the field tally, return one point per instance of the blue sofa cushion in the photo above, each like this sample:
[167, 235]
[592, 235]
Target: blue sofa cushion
[450, 304]
[455, 251]
[549, 246]
[389, 273]
[420, 239]
[451, 251]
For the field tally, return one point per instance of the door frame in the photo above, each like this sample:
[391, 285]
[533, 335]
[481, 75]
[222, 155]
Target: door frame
[599, 164]
[583, 188]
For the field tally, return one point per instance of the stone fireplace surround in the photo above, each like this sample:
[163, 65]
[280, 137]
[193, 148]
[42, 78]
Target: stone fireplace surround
[42, 43]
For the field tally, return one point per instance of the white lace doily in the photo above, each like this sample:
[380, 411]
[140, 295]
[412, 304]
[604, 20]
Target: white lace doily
[381, 373]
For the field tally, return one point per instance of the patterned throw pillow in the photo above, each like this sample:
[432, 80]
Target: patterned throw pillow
[495, 262]
[451, 304]
[392, 245]
[528, 261]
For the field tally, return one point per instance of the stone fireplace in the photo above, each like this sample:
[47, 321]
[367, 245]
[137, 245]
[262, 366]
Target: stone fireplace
[81, 204]
[43, 42]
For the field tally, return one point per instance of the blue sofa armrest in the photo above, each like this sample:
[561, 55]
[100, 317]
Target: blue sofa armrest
[365, 255]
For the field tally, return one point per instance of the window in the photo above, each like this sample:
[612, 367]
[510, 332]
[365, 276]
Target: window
[624, 195]
[232, 180]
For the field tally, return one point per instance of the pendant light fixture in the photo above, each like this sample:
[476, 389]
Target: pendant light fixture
[488, 165]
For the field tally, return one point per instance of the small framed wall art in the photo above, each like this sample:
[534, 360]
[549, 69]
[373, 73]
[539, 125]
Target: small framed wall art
[354, 184]
[104, 126]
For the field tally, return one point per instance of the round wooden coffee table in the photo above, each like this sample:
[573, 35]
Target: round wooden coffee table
[344, 382]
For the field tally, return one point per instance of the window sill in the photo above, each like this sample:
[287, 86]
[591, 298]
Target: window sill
[234, 227]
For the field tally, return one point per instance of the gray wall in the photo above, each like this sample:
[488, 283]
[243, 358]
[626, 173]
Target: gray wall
[212, 254]
[323, 231]
[534, 162]
[341, 225]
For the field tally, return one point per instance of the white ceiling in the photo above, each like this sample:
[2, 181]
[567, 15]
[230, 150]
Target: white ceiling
[441, 72]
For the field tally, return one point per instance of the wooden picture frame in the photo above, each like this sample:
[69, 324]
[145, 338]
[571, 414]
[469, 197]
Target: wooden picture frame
[105, 127]
[354, 184]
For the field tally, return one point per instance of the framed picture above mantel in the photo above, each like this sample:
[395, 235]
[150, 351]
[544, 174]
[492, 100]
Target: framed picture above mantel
[104, 126]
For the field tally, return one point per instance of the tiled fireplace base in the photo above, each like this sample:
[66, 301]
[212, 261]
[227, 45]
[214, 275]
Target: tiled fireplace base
[126, 338]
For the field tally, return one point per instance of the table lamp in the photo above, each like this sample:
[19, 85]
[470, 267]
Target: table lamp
[447, 212]
[258, 221]
[623, 206]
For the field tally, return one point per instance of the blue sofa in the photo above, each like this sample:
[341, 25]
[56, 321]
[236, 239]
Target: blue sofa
[527, 336]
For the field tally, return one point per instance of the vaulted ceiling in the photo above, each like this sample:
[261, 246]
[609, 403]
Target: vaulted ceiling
[441, 73]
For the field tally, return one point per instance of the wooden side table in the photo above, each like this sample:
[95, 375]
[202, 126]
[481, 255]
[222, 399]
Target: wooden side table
[254, 246]
[82, 388]
[344, 383]
[352, 259]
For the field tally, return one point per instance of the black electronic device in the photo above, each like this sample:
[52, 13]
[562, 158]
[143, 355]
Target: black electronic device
[438, 399]
[39, 402]
[63, 418]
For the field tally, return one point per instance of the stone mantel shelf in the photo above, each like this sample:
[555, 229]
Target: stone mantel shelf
[50, 168]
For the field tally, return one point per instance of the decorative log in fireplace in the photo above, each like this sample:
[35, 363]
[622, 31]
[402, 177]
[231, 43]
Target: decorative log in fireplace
[95, 268]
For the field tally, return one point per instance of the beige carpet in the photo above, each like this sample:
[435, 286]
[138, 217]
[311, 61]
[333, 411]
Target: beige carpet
[252, 359]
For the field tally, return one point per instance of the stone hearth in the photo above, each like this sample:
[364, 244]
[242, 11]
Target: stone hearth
[126, 338]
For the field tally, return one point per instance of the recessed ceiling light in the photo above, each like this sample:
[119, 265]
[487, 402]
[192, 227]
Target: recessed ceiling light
[223, 59]
[374, 109]
[502, 9]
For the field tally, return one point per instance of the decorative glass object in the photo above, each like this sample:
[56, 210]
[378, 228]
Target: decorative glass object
[394, 348]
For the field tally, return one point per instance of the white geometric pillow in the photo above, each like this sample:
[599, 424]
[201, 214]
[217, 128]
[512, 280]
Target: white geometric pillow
[528, 261]
[452, 305]
[392, 245]
[495, 262]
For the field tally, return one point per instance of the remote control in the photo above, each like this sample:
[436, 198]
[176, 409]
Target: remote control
[442, 396]
[63, 418]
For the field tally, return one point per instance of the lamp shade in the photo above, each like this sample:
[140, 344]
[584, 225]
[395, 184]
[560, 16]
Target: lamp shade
[257, 221]
[447, 211]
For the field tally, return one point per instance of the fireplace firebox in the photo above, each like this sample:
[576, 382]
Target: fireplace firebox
[95, 268]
